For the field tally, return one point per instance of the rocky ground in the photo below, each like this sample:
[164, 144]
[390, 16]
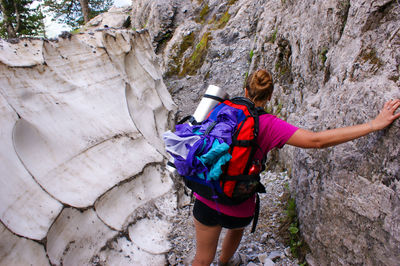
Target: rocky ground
[264, 247]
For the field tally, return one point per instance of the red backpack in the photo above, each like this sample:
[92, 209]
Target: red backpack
[240, 178]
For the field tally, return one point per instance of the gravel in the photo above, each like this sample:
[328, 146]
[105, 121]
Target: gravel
[264, 247]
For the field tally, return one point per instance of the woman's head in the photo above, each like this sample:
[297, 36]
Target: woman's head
[259, 86]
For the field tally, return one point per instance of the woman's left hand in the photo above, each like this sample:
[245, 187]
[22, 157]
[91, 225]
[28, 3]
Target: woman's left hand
[387, 115]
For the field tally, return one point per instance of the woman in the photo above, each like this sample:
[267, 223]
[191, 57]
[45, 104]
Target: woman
[274, 132]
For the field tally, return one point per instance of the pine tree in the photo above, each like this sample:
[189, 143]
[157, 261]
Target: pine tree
[77, 12]
[19, 18]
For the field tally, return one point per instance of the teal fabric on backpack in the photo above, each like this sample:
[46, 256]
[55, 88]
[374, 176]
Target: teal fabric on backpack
[216, 157]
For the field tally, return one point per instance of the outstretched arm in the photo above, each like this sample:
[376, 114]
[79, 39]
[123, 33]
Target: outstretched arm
[308, 139]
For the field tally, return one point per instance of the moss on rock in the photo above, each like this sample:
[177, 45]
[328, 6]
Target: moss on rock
[196, 60]
[221, 23]
[203, 14]
[371, 57]
[175, 64]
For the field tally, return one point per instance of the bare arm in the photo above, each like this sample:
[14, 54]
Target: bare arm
[308, 139]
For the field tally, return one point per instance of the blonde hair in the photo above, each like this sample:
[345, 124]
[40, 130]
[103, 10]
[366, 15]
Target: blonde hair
[260, 85]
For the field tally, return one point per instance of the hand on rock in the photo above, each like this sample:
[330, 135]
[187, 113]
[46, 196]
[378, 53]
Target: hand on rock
[387, 115]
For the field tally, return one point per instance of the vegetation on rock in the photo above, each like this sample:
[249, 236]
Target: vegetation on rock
[196, 60]
[175, 66]
[290, 227]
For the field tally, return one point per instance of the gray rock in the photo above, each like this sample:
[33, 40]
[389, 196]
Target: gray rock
[264, 237]
[268, 262]
[271, 241]
[274, 255]
[334, 63]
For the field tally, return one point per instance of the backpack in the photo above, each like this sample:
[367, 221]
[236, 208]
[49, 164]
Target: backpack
[216, 156]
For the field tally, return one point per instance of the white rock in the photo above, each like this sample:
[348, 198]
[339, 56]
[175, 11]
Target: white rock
[274, 255]
[114, 18]
[167, 204]
[123, 252]
[148, 99]
[79, 118]
[264, 237]
[288, 252]
[119, 203]
[88, 175]
[262, 257]
[20, 251]
[268, 262]
[26, 53]
[25, 208]
[151, 235]
[76, 237]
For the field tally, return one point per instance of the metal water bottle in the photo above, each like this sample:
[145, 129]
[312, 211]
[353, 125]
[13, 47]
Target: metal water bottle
[213, 96]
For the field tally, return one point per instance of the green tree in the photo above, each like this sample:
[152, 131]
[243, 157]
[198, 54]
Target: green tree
[76, 12]
[19, 18]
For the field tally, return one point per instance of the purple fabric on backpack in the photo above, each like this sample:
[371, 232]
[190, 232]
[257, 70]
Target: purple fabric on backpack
[227, 122]
[223, 130]
[190, 166]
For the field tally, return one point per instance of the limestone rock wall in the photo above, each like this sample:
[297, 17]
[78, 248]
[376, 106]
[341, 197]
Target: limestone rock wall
[81, 158]
[74, 109]
[335, 63]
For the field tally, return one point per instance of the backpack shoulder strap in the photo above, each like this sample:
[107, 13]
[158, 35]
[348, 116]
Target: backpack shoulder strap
[261, 111]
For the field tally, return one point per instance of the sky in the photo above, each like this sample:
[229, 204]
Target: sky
[53, 29]
[122, 2]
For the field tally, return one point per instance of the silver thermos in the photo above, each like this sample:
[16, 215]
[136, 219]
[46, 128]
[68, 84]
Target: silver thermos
[213, 96]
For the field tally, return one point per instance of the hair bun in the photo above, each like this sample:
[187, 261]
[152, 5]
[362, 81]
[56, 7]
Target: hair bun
[263, 78]
[260, 85]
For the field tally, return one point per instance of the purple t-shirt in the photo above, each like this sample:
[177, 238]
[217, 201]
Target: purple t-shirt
[273, 133]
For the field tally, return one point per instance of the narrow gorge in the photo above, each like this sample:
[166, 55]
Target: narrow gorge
[82, 162]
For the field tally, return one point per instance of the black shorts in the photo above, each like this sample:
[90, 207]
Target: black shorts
[211, 217]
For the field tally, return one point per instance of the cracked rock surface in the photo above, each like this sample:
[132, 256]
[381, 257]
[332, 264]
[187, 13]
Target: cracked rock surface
[81, 157]
[334, 63]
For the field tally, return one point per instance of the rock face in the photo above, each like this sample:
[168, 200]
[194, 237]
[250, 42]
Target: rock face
[81, 159]
[81, 154]
[334, 63]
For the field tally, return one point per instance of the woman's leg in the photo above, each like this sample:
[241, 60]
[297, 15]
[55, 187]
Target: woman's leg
[206, 243]
[231, 243]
